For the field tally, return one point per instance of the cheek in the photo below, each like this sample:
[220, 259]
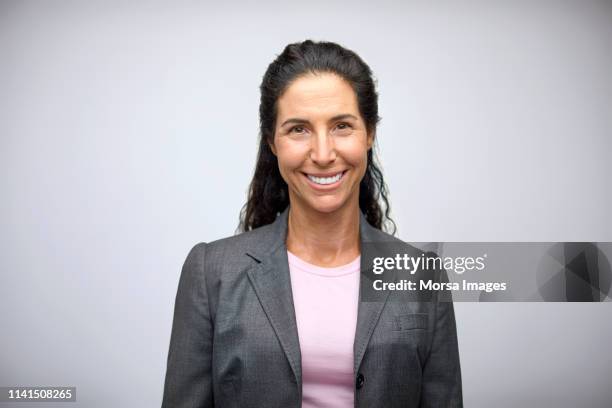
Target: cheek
[290, 156]
[355, 153]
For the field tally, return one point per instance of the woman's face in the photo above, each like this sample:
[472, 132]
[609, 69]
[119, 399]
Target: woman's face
[321, 142]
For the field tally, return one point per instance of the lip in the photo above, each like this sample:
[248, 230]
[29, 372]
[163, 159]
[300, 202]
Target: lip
[326, 187]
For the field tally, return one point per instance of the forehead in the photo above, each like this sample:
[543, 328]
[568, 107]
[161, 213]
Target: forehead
[321, 94]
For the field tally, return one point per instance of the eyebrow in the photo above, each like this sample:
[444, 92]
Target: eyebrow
[337, 117]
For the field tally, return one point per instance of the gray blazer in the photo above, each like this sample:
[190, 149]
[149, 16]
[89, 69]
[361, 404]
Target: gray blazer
[234, 340]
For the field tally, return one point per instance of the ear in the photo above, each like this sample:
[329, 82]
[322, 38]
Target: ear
[272, 147]
[370, 139]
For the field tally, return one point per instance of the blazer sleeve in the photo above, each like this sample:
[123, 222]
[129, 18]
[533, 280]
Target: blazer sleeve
[188, 382]
[441, 386]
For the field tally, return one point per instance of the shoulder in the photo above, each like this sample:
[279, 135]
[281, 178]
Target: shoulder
[242, 242]
[230, 251]
[425, 249]
[377, 238]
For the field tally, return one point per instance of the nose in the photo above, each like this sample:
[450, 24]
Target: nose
[323, 150]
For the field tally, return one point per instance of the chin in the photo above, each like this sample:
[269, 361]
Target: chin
[326, 206]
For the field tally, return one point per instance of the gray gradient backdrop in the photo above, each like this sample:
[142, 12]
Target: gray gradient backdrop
[128, 134]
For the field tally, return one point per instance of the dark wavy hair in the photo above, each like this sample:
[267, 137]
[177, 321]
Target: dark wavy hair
[268, 193]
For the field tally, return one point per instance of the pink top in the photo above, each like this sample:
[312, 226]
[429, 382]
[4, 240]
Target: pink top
[325, 301]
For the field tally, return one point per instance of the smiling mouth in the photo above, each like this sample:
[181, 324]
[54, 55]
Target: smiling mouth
[323, 181]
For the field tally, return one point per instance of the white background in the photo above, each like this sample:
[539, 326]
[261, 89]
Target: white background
[129, 133]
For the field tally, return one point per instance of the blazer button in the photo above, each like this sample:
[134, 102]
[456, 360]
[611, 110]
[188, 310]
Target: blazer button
[360, 380]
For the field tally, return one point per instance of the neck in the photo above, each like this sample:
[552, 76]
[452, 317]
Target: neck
[324, 239]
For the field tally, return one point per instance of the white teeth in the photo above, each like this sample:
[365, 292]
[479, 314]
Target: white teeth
[325, 180]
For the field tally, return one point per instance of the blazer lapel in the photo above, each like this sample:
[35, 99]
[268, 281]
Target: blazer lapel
[368, 312]
[272, 283]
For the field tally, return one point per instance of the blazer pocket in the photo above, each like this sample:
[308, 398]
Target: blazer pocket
[410, 321]
[230, 392]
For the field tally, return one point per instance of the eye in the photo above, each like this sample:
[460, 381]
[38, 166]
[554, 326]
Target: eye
[297, 129]
[343, 128]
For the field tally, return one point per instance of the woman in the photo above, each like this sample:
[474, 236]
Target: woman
[274, 317]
